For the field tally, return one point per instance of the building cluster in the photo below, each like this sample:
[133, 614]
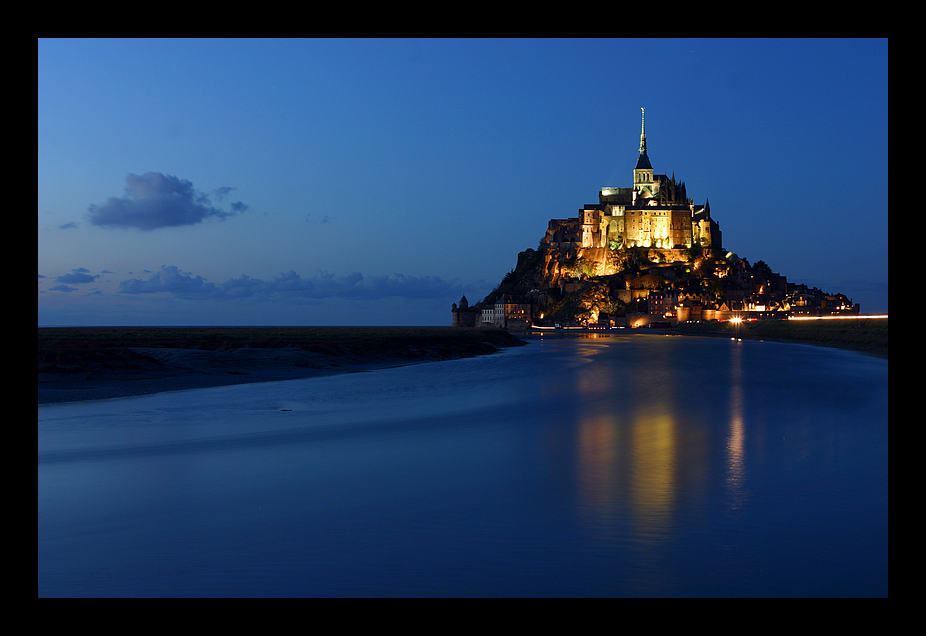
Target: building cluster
[654, 217]
[509, 311]
[677, 306]
[672, 306]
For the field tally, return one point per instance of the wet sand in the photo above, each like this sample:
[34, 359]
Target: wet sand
[79, 365]
[180, 369]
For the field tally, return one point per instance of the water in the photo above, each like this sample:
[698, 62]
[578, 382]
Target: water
[631, 466]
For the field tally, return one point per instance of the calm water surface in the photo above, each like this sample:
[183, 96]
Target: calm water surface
[639, 465]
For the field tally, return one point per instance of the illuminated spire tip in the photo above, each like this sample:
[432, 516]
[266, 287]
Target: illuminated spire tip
[642, 130]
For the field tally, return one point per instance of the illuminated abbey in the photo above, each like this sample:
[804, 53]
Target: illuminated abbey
[654, 212]
[643, 253]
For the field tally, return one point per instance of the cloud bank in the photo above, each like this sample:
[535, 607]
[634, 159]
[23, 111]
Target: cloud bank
[77, 276]
[291, 285]
[154, 200]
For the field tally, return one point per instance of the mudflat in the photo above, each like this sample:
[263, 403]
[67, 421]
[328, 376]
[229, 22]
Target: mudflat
[89, 363]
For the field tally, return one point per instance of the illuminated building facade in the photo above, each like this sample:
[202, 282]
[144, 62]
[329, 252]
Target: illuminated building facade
[654, 212]
[509, 312]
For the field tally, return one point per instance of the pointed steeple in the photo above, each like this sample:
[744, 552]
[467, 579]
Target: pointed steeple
[643, 162]
[642, 130]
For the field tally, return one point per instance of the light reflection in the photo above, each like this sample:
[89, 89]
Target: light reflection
[628, 445]
[600, 479]
[598, 441]
[653, 472]
[736, 456]
[655, 440]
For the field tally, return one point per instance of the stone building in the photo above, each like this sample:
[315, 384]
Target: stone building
[509, 312]
[663, 303]
[654, 212]
[463, 315]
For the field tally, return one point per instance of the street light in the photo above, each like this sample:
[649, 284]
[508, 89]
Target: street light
[736, 326]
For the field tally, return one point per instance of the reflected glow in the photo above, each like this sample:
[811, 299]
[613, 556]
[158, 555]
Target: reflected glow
[635, 466]
[652, 473]
[735, 446]
[599, 475]
[628, 449]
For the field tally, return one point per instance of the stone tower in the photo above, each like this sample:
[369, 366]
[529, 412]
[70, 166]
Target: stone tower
[464, 315]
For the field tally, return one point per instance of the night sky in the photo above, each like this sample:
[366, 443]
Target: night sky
[375, 182]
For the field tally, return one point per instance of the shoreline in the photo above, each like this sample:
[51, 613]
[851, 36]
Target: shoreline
[81, 364]
[866, 336]
[77, 365]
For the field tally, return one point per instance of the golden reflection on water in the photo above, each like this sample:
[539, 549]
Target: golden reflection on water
[599, 445]
[653, 472]
[600, 477]
[736, 457]
[628, 446]
[642, 451]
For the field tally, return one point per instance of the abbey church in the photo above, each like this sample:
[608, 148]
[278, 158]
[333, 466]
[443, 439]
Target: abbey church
[654, 212]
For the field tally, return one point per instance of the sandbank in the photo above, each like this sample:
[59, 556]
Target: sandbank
[101, 363]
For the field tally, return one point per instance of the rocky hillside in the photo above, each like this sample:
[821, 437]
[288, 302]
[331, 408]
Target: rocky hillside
[576, 285]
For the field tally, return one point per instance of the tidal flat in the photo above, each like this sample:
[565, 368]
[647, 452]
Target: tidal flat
[88, 363]
[636, 464]
[864, 335]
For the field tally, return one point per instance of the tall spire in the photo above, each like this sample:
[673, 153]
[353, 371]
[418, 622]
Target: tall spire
[642, 130]
[643, 161]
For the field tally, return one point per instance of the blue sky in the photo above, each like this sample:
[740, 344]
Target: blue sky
[375, 182]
